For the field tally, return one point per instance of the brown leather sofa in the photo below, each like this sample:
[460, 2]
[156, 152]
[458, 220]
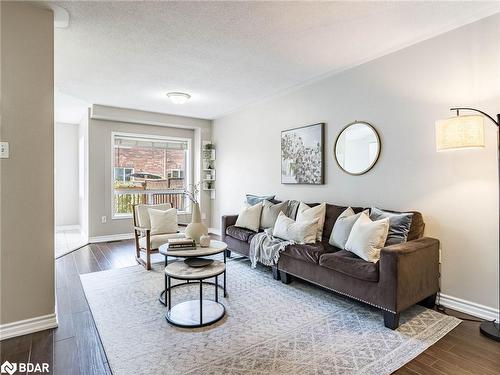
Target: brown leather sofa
[406, 274]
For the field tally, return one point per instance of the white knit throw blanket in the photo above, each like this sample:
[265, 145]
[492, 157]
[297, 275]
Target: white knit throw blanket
[266, 249]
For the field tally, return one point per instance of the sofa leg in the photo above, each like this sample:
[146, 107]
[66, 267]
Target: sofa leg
[429, 302]
[285, 277]
[276, 273]
[228, 253]
[391, 320]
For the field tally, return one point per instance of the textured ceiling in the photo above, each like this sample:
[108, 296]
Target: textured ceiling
[230, 54]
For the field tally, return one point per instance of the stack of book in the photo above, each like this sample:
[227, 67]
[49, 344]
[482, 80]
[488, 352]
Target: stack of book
[181, 244]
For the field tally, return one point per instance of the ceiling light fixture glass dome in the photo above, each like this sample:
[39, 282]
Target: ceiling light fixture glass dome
[178, 97]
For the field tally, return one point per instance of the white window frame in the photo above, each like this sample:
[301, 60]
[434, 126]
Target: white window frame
[140, 137]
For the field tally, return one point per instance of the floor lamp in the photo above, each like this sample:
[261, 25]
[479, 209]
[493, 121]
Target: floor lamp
[467, 132]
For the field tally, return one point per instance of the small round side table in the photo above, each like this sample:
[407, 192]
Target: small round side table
[216, 247]
[194, 313]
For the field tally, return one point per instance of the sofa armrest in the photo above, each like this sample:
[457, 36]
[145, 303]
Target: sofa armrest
[227, 221]
[409, 272]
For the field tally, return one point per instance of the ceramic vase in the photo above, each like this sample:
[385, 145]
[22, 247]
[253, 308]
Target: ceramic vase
[196, 228]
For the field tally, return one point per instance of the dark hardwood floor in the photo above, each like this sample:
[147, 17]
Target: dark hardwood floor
[75, 348]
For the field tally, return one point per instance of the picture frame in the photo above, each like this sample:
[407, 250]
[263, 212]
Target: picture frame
[303, 155]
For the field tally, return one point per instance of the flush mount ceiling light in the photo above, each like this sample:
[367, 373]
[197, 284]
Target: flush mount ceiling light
[178, 97]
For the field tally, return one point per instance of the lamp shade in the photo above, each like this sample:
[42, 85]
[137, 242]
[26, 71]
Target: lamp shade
[460, 132]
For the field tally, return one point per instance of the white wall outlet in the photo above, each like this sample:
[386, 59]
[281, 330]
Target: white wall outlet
[4, 150]
[203, 216]
[104, 219]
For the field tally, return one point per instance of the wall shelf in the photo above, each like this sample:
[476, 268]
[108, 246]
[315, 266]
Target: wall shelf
[208, 168]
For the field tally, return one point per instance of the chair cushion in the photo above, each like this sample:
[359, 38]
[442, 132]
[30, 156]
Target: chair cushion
[308, 253]
[159, 239]
[163, 222]
[241, 234]
[142, 213]
[350, 264]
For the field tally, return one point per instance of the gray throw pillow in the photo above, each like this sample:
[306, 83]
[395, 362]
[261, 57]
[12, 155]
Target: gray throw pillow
[270, 213]
[342, 227]
[399, 224]
[254, 199]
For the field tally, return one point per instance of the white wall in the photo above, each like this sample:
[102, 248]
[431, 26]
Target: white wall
[402, 95]
[66, 174]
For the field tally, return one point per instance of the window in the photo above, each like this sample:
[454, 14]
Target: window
[123, 174]
[149, 169]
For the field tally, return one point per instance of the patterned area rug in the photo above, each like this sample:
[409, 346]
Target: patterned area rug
[269, 328]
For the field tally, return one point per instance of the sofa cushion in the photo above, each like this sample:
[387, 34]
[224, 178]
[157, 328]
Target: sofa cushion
[368, 237]
[303, 232]
[417, 226]
[332, 213]
[399, 224]
[254, 199]
[241, 234]
[307, 253]
[250, 237]
[270, 212]
[306, 213]
[249, 217]
[350, 264]
[342, 228]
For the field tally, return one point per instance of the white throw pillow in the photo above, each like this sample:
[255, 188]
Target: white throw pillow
[303, 232]
[368, 237]
[163, 221]
[249, 217]
[306, 213]
[343, 226]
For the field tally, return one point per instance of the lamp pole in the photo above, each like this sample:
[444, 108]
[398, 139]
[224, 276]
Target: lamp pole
[491, 329]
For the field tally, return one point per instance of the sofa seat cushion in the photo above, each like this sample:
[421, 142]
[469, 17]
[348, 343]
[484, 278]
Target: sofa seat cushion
[308, 252]
[159, 239]
[241, 234]
[250, 237]
[350, 264]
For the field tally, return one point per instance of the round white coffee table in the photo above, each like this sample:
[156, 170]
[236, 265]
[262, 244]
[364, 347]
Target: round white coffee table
[195, 257]
[194, 313]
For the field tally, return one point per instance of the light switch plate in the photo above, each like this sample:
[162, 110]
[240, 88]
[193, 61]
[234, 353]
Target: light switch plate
[4, 150]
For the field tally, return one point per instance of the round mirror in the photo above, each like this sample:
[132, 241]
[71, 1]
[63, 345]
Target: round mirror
[357, 148]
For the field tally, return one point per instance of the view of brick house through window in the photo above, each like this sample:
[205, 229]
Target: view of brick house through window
[148, 169]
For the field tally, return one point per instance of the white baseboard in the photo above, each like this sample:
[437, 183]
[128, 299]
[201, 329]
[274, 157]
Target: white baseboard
[468, 307]
[61, 228]
[111, 237]
[27, 326]
[214, 231]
